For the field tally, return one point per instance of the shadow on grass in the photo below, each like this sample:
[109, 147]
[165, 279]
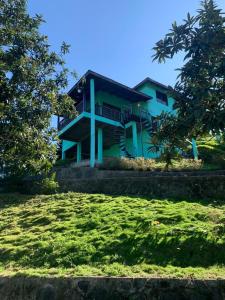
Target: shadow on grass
[192, 251]
[185, 249]
[13, 199]
[204, 202]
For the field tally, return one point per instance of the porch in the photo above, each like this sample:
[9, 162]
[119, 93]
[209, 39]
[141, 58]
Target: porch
[77, 141]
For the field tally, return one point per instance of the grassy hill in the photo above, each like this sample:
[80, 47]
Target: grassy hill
[84, 234]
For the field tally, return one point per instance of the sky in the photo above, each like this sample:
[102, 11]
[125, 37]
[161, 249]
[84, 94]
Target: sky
[114, 37]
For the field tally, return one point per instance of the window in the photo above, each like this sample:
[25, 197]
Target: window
[161, 97]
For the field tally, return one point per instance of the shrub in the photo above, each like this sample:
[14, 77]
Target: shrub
[63, 162]
[31, 185]
[212, 151]
[143, 164]
[46, 185]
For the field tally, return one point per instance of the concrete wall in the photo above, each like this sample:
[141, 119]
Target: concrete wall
[106, 288]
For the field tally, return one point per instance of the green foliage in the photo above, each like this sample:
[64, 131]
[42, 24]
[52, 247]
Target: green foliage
[212, 151]
[169, 133]
[63, 162]
[200, 89]
[32, 79]
[86, 234]
[46, 185]
[143, 164]
[32, 185]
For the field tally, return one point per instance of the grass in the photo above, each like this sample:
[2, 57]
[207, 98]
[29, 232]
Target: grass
[78, 234]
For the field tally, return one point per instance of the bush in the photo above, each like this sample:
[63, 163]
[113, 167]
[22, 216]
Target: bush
[63, 162]
[143, 164]
[46, 185]
[212, 152]
[31, 185]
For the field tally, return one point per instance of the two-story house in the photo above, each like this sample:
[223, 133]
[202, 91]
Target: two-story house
[114, 120]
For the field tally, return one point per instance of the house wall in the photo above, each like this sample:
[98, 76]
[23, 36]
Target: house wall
[154, 107]
[110, 99]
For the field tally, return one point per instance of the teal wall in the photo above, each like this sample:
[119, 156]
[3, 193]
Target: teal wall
[110, 99]
[154, 107]
[112, 151]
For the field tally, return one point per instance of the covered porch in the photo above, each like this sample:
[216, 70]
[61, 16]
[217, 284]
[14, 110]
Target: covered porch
[81, 144]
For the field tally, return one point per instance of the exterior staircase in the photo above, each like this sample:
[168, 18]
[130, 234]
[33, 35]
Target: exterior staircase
[119, 135]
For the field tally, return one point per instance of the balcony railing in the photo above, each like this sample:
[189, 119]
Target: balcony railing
[63, 123]
[107, 112]
[80, 107]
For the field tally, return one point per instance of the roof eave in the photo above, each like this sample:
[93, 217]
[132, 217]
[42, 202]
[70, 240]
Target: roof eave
[96, 75]
[152, 81]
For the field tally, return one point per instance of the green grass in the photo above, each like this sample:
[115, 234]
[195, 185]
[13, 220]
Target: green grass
[83, 234]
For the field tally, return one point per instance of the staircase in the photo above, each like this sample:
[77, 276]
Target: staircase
[119, 137]
[148, 126]
[119, 134]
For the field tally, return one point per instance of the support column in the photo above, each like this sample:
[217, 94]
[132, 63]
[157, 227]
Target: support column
[63, 155]
[79, 151]
[135, 139]
[194, 149]
[100, 145]
[92, 139]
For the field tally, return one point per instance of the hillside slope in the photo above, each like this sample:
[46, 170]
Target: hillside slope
[85, 234]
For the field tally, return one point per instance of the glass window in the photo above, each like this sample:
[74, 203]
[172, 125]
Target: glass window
[161, 97]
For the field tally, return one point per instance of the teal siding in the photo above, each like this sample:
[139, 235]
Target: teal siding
[154, 107]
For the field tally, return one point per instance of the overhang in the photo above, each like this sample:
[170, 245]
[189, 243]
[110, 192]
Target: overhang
[108, 85]
[151, 81]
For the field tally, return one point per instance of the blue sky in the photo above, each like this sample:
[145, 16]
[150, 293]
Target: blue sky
[114, 37]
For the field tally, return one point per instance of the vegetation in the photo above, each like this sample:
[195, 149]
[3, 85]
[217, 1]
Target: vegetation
[32, 78]
[85, 234]
[144, 164]
[212, 151]
[200, 88]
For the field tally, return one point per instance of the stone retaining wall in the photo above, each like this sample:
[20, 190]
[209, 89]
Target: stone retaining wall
[103, 288]
[94, 173]
[186, 185]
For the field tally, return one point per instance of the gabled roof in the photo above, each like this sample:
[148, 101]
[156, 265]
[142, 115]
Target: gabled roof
[104, 83]
[152, 81]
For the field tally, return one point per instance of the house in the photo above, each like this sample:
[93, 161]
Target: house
[114, 120]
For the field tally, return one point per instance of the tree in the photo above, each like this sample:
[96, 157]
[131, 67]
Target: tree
[32, 80]
[200, 89]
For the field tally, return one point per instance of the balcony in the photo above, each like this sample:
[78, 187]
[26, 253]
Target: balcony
[107, 112]
[100, 110]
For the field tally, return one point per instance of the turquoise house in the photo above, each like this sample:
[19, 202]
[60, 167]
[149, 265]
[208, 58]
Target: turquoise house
[113, 121]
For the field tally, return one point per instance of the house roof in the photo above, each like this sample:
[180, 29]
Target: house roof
[104, 83]
[152, 81]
